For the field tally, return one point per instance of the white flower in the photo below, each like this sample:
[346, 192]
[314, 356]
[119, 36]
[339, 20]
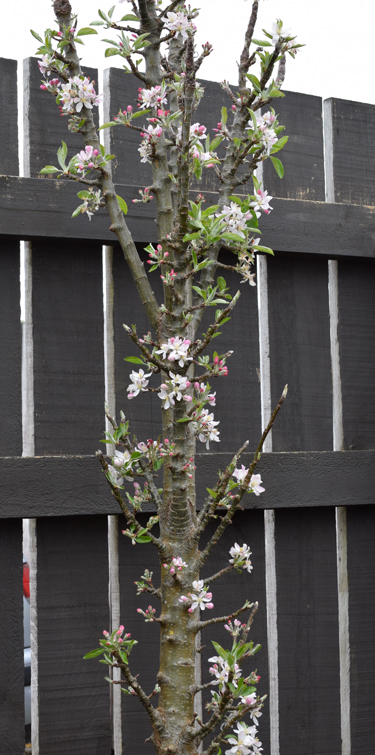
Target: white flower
[178, 22]
[145, 151]
[45, 65]
[153, 97]
[262, 202]
[139, 383]
[172, 389]
[121, 459]
[279, 31]
[221, 670]
[115, 476]
[234, 218]
[77, 93]
[202, 600]
[175, 350]
[205, 428]
[255, 480]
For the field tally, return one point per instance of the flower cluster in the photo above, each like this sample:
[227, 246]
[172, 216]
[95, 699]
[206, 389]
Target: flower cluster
[149, 613]
[146, 196]
[172, 390]
[199, 599]
[268, 134]
[153, 97]
[88, 159]
[77, 93]
[176, 350]
[157, 256]
[221, 670]
[92, 200]
[255, 480]
[178, 22]
[278, 31]
[139, 383]
[117, 636]
[189, 467]
[245, 741]
[177, 564]
[241, 557]
[261, 202]
[205, 427]
[234, 628]
[234, 219]
[154, 450]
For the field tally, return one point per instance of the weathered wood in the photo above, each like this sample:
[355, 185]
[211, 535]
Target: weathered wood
[37, 208]
[357, 351]
[44, 128]
[308, 632]
[230, 592]
[361, 577]
[352, 151]
[302, 157]
[10, 349]
[68, 348]
[144, 659]
[72, 583]
[69, 485]
[300, 352]
[8, 118]
[12, 720]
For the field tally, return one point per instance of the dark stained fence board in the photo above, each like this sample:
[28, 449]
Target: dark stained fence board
[302, 157]
[10, 350]
[144, 659]
[361, 578]
[121, 90]
[353, 154]
[357, 351]
[144, 411]
[12, 720]
[64, 486]
[32, 208]
[237, 395]
[8, 118]
[229, 593]
[300, 353]
[309, 681]
[44, 127]
[68, 348]
[72, 584]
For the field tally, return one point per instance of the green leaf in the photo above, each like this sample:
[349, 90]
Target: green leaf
[184, 419]
[123, 205]
[277, 164]
[211, 492]
[279, 144]
[36, 36]
[152, 268]
[84, 194]
[261, 43]
[85, 30]
[129, 17]
[110, 51]
[221, 282]
[107, 125]
[61, 154]
[110, 12]
[123, 656]
[76, 212]
[133, 360]
[265, 249]
[138, 113]
[49, 169]
[143, 539]
[94, 653]
[96, 23]
[255, 82]
[224, 115]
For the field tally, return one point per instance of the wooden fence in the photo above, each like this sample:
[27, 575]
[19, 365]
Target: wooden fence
[310, 323]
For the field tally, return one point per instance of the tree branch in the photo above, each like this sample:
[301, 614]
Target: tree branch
[222, 619]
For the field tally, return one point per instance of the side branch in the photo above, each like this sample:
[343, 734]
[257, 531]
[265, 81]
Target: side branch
[222, 619]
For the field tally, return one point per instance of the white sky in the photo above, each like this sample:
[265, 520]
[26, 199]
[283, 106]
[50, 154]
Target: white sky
[338, 60]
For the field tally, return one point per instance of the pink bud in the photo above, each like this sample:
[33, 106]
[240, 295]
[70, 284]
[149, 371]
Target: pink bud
[42, 86]
[209, 605]
[90, 165]
[171, 453]
[188, 398]
[95, 152]
[216, 360]
[209, 595]
[139, 610]
[196, 386]
[166, 441]
[172, 570]
[105, 633]
[188, 383]
[59, 33]
[165, 566]
[164, 387]
[210, 165]
[166, 254]
[190, 610]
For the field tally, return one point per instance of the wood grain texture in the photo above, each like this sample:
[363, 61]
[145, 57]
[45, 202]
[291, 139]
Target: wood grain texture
[353, 154]
[12, 721]
[10, 350]
[356, 291]
[361, 577]
[308, 632]
[72, 613]
[144, 659]
[8, 117]
[65, 486]
[302, 157]
[32, 208]
[68, 348]
[229, 592]
[44, 128]
[300, 353]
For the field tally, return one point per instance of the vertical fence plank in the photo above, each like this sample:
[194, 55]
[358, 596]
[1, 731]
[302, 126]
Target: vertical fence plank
[308, 632]
[353, 159]
[10, 350]
[72, 613]
[302, 157]
[8, 118]
[357, 351]
[44, 128]
[68, 348]
[361, 573]
[300, 353]
[230, 592]
[144, 659]
[12, 720]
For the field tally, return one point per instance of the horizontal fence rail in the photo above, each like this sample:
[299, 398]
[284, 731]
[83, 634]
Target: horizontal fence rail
[310, 324]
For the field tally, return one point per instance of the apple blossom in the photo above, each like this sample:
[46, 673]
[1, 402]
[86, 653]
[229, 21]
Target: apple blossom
[139, 383]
